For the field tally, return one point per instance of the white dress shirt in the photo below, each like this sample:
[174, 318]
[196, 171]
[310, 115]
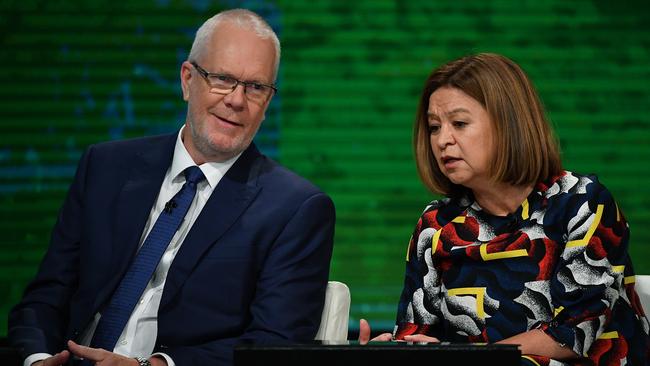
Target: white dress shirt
[139, 335]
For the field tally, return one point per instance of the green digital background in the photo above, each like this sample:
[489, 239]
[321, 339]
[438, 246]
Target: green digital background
[79, 72]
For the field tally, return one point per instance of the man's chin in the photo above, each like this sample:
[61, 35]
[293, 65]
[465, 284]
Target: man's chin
[220, 151]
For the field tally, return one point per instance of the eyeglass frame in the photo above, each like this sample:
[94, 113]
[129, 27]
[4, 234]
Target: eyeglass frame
[206, 74]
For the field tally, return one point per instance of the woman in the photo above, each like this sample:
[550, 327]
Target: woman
[520, 251]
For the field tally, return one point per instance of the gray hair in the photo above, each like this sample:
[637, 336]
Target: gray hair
[241, 17]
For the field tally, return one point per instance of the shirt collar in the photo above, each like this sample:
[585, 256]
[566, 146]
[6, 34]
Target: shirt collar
[182, 160]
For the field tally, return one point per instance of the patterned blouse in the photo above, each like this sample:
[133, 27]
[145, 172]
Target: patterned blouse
[559, 263]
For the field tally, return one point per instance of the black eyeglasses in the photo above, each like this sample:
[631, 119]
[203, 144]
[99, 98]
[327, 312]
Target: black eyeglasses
[224, 84]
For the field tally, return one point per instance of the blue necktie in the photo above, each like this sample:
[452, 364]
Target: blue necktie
[119, 309]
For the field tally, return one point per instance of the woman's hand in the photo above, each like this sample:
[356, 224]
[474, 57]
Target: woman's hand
[537, 342]
[420, 338]
[364, 334]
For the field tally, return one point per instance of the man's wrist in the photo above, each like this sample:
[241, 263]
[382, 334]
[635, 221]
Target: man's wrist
[142, 361]
[161, 359]
[158, 360]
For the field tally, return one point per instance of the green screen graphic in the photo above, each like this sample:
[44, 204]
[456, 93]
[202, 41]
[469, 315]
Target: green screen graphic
[76, 73]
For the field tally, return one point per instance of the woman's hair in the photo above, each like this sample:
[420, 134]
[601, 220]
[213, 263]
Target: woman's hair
[526, 150]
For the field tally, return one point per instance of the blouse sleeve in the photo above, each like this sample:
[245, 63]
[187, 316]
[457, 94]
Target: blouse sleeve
[418, 311]
[589, 277]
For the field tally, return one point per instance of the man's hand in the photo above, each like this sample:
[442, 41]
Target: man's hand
[56, 360]
[102, 357]
[99, 356]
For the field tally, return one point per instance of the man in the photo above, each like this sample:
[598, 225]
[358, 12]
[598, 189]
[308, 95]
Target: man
[249, 261]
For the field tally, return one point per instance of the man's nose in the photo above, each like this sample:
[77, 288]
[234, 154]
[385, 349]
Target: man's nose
[236, 99]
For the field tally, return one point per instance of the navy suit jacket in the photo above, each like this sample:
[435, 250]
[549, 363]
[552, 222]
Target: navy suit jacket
[253, 267]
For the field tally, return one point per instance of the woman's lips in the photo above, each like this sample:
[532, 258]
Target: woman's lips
[450, 162]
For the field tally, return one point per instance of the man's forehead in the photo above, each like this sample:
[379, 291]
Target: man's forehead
[238, 54]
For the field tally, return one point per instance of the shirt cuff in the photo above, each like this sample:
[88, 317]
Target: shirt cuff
[35, 357]
[168, 359]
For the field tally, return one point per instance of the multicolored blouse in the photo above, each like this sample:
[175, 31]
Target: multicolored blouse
[559, 263]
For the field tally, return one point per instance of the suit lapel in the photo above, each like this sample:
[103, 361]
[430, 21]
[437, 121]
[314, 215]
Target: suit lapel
[228, 201]
[133, 206]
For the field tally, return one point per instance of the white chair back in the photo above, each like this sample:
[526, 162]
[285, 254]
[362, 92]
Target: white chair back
[642, 287]
[336, 313]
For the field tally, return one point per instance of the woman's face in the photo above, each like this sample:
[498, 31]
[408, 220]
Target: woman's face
[461, 137]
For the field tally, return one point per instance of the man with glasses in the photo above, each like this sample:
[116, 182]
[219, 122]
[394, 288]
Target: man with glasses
[169, 250]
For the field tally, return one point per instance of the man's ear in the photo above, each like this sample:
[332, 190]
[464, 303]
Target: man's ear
[186, 77]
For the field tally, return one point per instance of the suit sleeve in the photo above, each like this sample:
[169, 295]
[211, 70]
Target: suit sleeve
[38, 323]
[290, 290]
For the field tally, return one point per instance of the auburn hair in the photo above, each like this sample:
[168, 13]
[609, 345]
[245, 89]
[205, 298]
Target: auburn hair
[526, 149]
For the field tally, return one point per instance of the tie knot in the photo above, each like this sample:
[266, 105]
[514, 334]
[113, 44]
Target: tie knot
[193, 175]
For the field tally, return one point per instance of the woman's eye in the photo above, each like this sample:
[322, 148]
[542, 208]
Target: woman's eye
[433, 129]
[460, 123]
